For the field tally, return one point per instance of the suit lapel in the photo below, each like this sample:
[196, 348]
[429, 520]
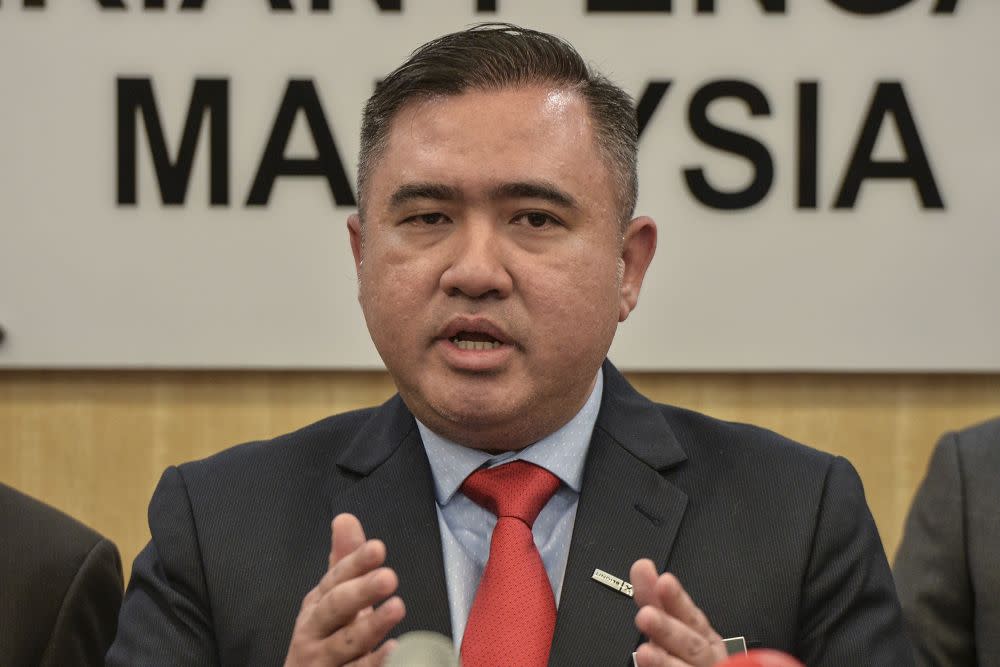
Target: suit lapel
[394, 499]
[627, 511]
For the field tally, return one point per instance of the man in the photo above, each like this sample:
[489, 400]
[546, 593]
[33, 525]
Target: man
[60, 586]
[496, 253]
[946, 568]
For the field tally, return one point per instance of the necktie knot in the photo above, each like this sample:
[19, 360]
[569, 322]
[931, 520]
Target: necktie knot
[518, 490]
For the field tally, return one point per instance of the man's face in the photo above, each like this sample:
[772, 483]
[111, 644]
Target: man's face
[491, 266]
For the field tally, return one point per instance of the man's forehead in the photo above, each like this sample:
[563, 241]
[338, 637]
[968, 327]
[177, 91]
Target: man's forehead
[522, 121]
[541, 99]
[491, 144]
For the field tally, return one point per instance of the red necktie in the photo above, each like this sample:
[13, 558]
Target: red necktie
[514, 613]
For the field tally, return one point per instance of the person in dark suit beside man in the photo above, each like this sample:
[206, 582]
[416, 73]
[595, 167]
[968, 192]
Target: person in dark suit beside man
[521, 497]
[60, 586]
[946, 568]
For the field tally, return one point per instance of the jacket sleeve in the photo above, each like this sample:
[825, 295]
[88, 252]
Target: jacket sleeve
[166, 616]
[849, 613]
[931, 565]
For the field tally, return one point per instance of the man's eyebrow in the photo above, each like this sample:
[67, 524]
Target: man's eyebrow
[534, 190]
[410, 191]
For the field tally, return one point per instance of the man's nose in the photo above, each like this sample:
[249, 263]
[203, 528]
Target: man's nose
[476, 268]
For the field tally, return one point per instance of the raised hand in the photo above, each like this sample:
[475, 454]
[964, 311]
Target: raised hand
[679, 634]
[338, 623]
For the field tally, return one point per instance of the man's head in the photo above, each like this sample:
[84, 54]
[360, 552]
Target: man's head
[495, 56]
[493, 264]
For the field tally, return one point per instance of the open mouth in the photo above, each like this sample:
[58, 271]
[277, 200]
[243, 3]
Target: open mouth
[474, 340]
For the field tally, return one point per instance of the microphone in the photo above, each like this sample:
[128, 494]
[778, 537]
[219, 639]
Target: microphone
[761, 657]
[423, 649]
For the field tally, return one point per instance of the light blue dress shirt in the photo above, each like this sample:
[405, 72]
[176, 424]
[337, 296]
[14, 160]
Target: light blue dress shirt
[466, 528]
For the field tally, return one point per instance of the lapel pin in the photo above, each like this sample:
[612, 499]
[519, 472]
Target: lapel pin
[611, 581]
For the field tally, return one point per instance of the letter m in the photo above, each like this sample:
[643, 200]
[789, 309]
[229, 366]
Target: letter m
[211, 97]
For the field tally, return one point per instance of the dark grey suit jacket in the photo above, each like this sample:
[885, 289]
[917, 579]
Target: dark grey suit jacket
[948, 564]
[60, 586]
[773, 540]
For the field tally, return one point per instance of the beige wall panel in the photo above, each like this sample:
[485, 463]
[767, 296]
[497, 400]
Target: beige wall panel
[95, 443]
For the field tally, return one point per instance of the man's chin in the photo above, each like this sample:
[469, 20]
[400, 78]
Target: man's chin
[472, 414]
[479, 422]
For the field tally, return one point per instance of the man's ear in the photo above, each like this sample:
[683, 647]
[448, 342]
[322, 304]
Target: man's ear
[638, 248]
[354, 230]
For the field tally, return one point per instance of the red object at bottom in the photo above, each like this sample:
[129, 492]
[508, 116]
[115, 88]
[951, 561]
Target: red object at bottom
[762, 657]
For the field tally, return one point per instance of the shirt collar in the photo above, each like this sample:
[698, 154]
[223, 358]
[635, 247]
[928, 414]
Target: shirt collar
[562, 453]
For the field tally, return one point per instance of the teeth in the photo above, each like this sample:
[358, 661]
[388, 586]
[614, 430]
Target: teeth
[475, 344]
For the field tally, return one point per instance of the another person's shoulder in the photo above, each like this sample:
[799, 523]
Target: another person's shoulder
[980, 442]
[43, 532]
[62, 585]
[967, 461]
[945, 568]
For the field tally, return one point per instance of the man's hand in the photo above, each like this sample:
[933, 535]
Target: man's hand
[338, 624]
[679, 633]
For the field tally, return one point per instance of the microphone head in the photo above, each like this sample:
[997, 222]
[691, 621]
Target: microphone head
[423, 649]
[761, 657]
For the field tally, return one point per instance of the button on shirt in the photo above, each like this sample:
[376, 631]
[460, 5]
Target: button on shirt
[466, 528]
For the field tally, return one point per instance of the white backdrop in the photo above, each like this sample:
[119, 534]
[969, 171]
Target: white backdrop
[886, 284]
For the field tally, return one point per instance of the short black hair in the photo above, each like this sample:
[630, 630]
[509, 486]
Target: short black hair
[495, 56]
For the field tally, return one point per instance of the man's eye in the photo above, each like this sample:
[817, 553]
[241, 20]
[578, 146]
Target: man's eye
[536, 220]
[427, 218]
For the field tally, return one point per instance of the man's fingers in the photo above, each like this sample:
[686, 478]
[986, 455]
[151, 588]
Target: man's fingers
[384, 651]
[376, 658]
[679, 632]
[358, 639]
[346, 536]
[364, 559]
[338, 623]
[642, 576]
[665, 591]
[677, 603]
[342, 603]
[674, 638]
[651, 655]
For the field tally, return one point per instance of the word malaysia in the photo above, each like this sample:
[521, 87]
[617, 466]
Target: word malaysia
[771, 7]
[210, 100]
